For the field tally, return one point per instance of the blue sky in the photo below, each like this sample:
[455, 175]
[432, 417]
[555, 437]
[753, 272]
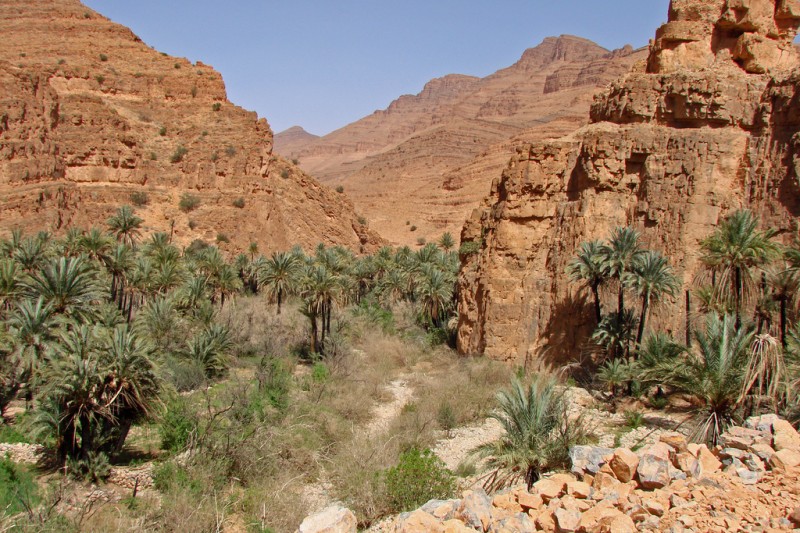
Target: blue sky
[322, 64]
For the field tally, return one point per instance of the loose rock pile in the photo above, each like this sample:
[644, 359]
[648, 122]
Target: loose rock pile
[749, 482]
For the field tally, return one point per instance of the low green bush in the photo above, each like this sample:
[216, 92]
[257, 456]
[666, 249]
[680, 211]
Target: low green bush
[420, 476]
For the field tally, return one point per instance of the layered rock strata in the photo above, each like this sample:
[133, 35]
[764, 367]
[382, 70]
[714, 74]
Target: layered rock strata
[89, 114]
[707, 127]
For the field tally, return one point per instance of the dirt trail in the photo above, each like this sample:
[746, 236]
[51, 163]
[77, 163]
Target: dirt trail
[385, 413]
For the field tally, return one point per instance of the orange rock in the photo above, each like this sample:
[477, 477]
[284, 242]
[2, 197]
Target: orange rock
[529, 501]
[549, 488]
[624, 464]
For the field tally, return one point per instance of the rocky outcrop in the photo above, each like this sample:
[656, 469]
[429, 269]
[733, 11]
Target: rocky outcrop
[293, 139]
[675, 486]
[429, 158]
[671, 148]
[89, 114]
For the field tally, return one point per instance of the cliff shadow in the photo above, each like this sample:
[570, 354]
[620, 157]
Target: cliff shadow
[567, 332]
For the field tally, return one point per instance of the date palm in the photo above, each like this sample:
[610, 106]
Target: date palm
[95, 244]
[435, 295]
[11, 288]
[621, 256]
[588, 267]
[31, 254]
[279, 275]
[446, 242]
[652, 278]
[714, 372]
[32, 328]
[125, 225]
[735, 251]
[68, 284]
[537, 433]
[784, 284]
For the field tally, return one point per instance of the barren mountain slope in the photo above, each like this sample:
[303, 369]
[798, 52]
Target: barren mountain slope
[709, 125]
[428, 159]
[293, 139]
[89, 114]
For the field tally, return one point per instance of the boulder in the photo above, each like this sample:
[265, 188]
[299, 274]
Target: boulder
[761, 423]
[783, 460]
[507, 502]
[708, 462]
[784, 436]
[591, 519]
[605, 483]
[545, 521]
[475, 510]
[579, 489]
[418, 522]
[616, 523]
[441, 509]
[566, 520]
[549, 489]
[654, 507]
[333, 519]
[529, 501]
[653, 472]
[763, 451]
[519, 523]
[675, 441]
[743, 438]
[588, 459]
[624, 464]
[456, 526]
[794, 517]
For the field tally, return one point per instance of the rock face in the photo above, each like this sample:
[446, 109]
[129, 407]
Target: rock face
[428, 159]
[89, 114]
[671, 148]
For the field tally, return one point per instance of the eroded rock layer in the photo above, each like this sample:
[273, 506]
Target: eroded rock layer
[710, 126]
[89, 115]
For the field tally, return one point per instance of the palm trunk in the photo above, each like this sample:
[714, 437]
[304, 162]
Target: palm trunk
[621, 299]
[643, 317]
[597, 310]
[737, 279]
[688, 320]
[314, 331]
[783, 323]
[280, 297]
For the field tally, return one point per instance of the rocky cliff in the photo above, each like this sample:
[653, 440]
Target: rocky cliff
[90, 115]
[708, 125]
[428, 159]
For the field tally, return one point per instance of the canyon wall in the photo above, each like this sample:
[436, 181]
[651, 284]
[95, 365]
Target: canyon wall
[89, 115]
[707, 126]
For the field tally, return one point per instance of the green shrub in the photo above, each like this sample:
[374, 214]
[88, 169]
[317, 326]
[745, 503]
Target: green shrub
[93, 468]
[658, 402]
[103, 57]
[162, 131]
[634, 419]
[446, 417]
[216, 106]
[17, 488]
[177, 425]
[412, 228]
[295, 162]
[13, 435]
[177, 65]
[239, 202]
[179, 154]
[214, 157]
[421, 241]
[284, 173]
[153, 156]
[192, 224]
[194, 91]
[320, 373]
[362, 221]
[230, 151]
[139, 198]
[420, 476]
[188, 202]
[100, 79]
[470, 247]
[340, 189]
[221, 237]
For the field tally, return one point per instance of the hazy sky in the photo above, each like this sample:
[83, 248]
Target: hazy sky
[322, 64]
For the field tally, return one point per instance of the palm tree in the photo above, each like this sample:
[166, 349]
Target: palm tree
[31, 254]
[159, 322]
[69, 285]
[615, 332]
[32, 329]
[279, 275]
[446, 241]
[537, 432]
[125, 225]
[11, 287]
[118, 264]
[95, 244]
[131, 387]
[734, 251]
[393, 285]
[652, 278]
[319, 289]
[620, 256]
[784, 284]
[588, 266]
[435, 295]
[714, 372]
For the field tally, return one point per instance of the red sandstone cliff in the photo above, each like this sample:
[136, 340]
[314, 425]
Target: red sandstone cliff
[709, 126]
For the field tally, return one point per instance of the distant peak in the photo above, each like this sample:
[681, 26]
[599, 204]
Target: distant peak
[561, 48]
[296, 130]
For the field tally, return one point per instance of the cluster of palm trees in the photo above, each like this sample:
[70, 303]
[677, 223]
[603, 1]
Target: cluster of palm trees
[743, 352]
[334, 277]
[93, 325]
